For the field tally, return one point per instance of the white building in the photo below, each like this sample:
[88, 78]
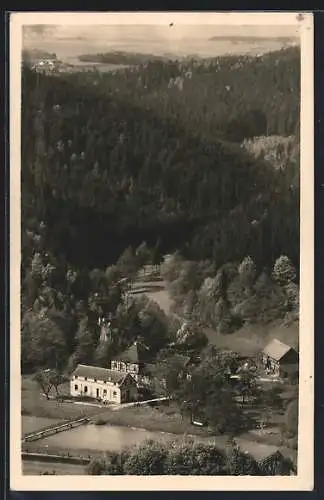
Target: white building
[101, 383]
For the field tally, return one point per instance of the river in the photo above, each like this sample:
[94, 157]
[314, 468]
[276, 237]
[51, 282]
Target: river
[101, 438]
[90, 439]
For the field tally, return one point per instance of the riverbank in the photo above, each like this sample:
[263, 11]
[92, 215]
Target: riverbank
[46, 457]
[38, 467]
[157, 418]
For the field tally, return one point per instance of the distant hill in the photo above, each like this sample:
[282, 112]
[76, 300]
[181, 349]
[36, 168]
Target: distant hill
[36, 54]
[253, 39]
[117, 57]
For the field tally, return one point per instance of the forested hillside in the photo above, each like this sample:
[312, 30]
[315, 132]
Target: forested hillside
[135, 173]
[175, 154]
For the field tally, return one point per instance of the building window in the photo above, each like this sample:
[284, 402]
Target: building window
[75, 376]
[75, 387]
[85, 389]
[105, 392]
[95, 380]
[114, 394]
[85, 378]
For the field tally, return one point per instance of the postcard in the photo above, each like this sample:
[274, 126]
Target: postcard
[161, 251]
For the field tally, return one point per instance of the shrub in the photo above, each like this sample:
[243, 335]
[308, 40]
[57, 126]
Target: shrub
[194, 459]
[240, 463]
[146, 459]
[96, 467]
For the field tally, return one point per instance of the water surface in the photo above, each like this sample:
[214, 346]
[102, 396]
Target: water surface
[101, 438]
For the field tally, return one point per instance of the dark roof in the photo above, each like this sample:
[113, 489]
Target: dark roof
[290, 368]
[276, 349]
[98, 373]
[134, 354]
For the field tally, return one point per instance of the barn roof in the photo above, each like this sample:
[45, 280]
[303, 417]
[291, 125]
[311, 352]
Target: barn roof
[95, 372]
[276, 349]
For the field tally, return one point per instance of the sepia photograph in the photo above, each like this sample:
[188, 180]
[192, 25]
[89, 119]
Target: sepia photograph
[161, 248]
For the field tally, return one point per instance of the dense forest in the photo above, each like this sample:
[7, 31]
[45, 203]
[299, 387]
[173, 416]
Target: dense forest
[196, 156]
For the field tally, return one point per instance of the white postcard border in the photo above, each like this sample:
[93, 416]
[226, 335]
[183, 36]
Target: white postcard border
[304, 479]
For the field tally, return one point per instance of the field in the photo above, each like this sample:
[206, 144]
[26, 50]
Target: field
[49, 412]
[31, 424]
[35, 404]
[161, 418]
[34, 468]
[252, 338]
[154, 290]
[247, 341]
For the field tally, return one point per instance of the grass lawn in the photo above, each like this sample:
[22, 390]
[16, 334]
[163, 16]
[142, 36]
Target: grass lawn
[56, 449]
[34, 468]
[152, 418]
[33, 424]
[155, 291]
[34, 404]
[251, 339]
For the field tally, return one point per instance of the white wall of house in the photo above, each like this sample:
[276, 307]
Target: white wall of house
[107, 391]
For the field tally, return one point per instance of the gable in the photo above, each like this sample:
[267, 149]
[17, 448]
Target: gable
[290, 357]
[128, 381]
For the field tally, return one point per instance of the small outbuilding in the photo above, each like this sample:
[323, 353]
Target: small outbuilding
[279, 358]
